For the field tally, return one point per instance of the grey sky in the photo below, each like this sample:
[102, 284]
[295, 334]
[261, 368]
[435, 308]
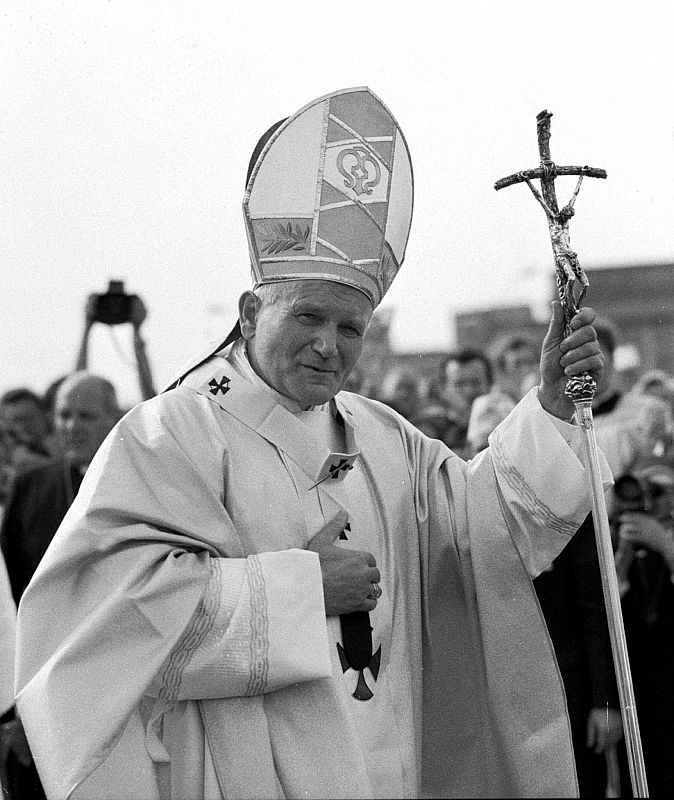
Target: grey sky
[127, 126]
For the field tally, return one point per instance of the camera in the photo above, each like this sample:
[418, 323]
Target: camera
[113, 307]
[649, 491]
[632, 494]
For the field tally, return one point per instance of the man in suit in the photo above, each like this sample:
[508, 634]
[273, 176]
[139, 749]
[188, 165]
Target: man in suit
[86, 410]
[571, 599]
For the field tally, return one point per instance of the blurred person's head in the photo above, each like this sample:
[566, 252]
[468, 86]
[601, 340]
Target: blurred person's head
[355, 381]
[85, 411]
[649, 419]
[607, 337]
[466, 374]
[657, 482]
[517, 361]
[487, 412]
[24, 417]
[362, 381]
[401, 391]
[441, 421]
[657, 383]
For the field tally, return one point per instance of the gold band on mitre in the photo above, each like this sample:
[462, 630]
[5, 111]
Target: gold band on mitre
[330, 196]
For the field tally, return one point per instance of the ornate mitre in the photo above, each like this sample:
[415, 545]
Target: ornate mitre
[330, 196]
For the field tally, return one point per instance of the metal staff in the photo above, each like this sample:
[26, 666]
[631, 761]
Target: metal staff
[572, 284]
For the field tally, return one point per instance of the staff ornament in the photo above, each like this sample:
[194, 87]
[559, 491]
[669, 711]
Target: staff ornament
[572, 286]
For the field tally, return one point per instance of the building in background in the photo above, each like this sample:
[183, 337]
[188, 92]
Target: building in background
[638, 299]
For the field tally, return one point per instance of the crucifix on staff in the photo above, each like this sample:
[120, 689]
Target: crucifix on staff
[572, 285]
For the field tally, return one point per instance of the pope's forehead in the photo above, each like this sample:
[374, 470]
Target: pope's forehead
[321, 291]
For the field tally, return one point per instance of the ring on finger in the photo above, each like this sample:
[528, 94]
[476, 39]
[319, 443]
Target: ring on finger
[376, 592]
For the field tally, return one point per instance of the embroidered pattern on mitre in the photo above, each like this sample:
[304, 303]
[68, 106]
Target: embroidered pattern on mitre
[330, 196]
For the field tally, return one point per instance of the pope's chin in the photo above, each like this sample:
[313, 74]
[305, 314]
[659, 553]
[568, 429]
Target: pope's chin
[317, 387]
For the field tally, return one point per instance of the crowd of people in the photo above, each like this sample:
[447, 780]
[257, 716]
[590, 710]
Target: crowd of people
[257, 585]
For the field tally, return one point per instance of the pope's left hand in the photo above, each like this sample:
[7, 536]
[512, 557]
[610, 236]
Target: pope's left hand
[563, 357]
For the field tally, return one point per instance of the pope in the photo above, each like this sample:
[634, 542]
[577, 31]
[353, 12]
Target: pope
[268, 587]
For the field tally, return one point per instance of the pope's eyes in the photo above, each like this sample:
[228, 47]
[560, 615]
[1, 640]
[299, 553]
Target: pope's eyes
[349, 330]
[310, 318]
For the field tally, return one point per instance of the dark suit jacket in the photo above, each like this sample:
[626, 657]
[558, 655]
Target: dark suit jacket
[572, 602]
[37, 503]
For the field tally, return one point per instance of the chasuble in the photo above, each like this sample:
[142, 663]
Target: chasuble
[174, 642]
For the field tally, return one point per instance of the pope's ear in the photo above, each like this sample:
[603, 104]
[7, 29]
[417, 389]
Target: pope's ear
[249, 306]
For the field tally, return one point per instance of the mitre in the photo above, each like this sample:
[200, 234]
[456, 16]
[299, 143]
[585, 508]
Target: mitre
[330, 196]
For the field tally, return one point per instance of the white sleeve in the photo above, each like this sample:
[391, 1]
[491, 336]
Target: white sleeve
[260, 626]
[541, 479]
[569, 432]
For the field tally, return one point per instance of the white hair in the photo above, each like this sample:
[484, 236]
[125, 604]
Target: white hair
[270, 293]
[107, 390]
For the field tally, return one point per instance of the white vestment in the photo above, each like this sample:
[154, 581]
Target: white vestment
[173, 641]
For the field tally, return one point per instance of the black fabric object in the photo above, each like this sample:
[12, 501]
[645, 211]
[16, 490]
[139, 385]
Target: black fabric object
[648, 612]
[259, 147]
[356, 652]
[232, 336]
[572, 601]
[607, 405]
[38, 502]
[23, 783]
[357, 638]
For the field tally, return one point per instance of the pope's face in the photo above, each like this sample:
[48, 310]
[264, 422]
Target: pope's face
[306, 343]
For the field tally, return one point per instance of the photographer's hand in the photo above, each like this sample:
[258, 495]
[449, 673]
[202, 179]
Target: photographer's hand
[137, 314]
[643, 530]
[90, 310]
[624, 556]
[89, 319]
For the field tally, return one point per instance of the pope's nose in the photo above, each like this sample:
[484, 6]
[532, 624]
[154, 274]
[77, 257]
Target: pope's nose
[325, 344]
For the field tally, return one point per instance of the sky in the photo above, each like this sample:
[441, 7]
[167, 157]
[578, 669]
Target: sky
[126, 129]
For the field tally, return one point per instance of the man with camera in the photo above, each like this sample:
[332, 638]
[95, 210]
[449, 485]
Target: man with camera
[629, 427]
[115, 307]
[85, 410]
[644, 511]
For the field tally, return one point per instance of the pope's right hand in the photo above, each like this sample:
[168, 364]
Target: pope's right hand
[348, 574]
